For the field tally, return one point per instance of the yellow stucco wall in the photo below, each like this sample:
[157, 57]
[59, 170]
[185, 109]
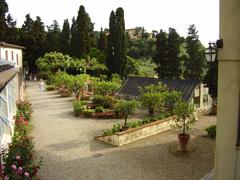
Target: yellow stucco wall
[227, 160]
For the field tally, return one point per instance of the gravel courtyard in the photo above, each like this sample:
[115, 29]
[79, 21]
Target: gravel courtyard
[70, 153]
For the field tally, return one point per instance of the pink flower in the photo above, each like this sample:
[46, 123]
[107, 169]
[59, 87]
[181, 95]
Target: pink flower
[19, 171]
[18, 158]
[26, 174]
[14, 167]
[6, 178]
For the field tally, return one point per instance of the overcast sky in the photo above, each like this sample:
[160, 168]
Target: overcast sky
[152, 14]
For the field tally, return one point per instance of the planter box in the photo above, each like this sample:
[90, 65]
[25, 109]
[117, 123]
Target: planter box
[85, 97]
[99, 114]
[130, 135]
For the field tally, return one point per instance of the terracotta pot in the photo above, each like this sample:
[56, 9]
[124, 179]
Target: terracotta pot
[110, 113]
[183, 141]
[99, 114]
[85, 97]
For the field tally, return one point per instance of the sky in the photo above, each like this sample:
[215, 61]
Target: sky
[151, 14]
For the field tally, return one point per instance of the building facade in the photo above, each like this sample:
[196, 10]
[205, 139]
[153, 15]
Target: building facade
[227, 159]
[11, 88]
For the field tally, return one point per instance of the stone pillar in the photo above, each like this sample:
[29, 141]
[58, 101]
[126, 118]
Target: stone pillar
[227, 155]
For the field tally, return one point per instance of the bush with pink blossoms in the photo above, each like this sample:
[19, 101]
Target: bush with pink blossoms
[19, 161]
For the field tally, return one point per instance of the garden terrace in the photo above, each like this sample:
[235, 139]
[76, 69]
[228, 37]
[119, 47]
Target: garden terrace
[70, 152]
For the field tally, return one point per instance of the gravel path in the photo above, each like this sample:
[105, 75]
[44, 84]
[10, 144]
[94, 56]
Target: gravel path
[70, 153]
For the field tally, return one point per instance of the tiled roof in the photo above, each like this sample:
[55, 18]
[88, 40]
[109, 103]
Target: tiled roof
[130, 88]
[4, 44]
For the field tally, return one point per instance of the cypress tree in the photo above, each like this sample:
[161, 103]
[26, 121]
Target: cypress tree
[196, 62]
[53, 35]
[73, 39]
[64, 39]
[102, 41]
[110, 43]
[82, 33]
[3, 24]
[116, 60]
[121, 49]
[173, 51]
[160, 55]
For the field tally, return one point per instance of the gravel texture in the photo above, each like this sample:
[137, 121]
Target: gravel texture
[70, 153]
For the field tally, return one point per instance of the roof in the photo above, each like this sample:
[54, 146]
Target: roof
[6, 76]
[130, 88]
[4, 44]
[5, 67]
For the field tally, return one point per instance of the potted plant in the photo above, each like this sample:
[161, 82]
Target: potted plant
[78, 107]
[110, 113]
[126, 108]
[152, 101]
[185, 118]
[99, 111]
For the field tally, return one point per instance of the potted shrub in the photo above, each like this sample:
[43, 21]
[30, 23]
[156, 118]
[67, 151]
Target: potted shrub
[110, 113]
[88, 112]
[126, 108]
[99, 111]
[211, 131]
[171, 99]
[78, 107]
[185, 118]
[152, 101]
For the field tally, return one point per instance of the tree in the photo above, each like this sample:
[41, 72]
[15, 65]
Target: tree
[82, 33]
[160, 55]
[173, 51]
[117, 59]
[33, 38]
[196, 62]
[3, 24]
[185, 116]
[211, 78]
[102, 41]
[64, 38]
[126, 108]
[53, 36]
[153, 97]
[73, 39]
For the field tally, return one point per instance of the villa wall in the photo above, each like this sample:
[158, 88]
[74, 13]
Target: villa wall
[227, 159]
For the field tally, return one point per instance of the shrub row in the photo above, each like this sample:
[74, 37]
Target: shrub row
[18, 159]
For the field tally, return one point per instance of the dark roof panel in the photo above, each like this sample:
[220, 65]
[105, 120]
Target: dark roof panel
[4, 44]
[130, 88]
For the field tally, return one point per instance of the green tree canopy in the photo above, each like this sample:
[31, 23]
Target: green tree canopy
[64, 38]
[160, 55]
[195, 64]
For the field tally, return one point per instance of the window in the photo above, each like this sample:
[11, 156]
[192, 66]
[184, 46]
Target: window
[12, 55]
[3, 111]
[11, 98]
[17, 58]
[6, 53]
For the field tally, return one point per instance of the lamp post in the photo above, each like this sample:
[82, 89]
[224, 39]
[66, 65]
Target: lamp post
[211, 52]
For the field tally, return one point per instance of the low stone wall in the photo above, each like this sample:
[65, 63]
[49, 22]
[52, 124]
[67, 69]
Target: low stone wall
[130, 135]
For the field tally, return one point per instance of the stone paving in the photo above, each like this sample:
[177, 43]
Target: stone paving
[70, 153]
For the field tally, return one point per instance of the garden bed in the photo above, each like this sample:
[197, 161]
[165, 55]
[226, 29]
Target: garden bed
[133, 134]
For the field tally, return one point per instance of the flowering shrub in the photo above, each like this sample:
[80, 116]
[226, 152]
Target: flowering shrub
[19, 162]
[24, 109]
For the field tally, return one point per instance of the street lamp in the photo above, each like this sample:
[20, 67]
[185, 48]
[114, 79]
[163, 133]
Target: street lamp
[211, 52]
